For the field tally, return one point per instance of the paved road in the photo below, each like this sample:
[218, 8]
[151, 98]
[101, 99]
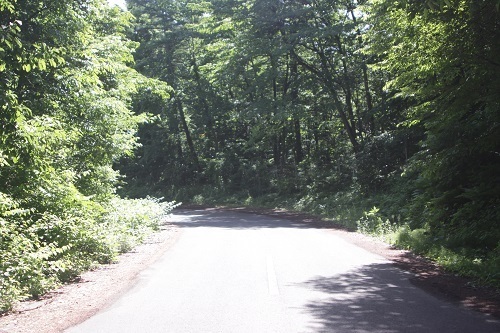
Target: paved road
[235, 273]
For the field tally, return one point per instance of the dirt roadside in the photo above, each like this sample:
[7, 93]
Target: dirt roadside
[73, 303]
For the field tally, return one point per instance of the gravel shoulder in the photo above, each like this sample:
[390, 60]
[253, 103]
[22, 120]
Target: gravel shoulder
[95, 290]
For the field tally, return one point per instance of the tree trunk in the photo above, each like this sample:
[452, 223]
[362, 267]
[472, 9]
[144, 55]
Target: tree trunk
[212, 135]
[185, 127]
[294, 94]
[325, 75]
[366, 85]
[347, 86]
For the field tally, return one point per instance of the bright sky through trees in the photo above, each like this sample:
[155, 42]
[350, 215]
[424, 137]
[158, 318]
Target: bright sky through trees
[120, 3]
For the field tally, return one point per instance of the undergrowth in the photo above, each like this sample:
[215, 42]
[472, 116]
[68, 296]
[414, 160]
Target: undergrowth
[37, 255]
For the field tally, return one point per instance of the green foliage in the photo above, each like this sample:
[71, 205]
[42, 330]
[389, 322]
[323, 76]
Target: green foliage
[38, 255]
[65, 102]
[373, 223]
[483, 267]
[128, 221]
[452, 74]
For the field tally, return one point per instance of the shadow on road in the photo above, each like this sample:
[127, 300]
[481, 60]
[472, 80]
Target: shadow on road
[364, 299]
[213, 218]
[374, 301]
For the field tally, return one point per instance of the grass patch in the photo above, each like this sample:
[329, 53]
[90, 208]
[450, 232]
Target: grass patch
[484, 268]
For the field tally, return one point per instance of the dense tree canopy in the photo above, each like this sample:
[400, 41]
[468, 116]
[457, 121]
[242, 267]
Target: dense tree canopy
[450, 68]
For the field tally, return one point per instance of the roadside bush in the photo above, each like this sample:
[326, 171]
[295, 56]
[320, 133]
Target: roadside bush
[482, 267]
[36, 255]
[128, 221]
[373, 222]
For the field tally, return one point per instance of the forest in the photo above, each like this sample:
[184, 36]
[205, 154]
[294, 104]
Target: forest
[379, 115]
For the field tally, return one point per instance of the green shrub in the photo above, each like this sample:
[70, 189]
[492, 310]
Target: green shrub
[37, 255]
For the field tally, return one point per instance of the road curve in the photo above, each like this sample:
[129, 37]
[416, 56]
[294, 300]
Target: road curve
[236, 272]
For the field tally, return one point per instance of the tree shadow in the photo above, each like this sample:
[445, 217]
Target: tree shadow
[380, 298]
[227, 219]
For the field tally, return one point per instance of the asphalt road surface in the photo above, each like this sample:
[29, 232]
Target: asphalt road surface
[236, 272]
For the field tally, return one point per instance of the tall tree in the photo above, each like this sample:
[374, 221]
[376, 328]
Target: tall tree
[443, 56]
[65, 93]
